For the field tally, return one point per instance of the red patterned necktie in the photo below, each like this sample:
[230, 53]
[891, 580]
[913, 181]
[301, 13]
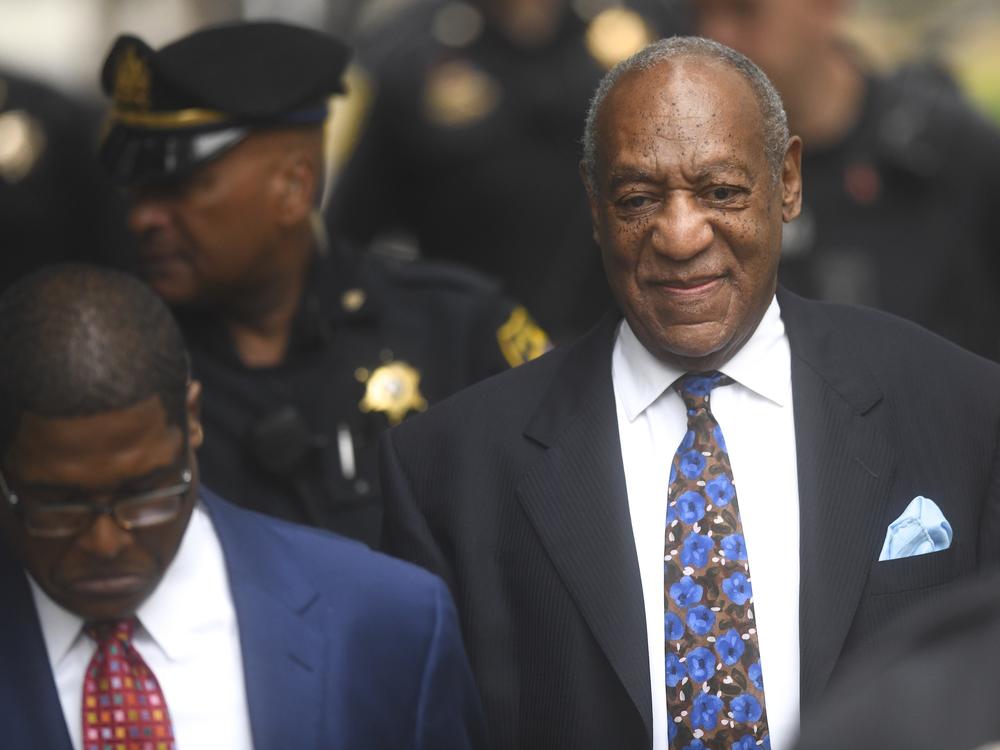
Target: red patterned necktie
[123, 707]
[715, 690]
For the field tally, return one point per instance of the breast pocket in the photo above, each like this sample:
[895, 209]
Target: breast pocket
[917, 572]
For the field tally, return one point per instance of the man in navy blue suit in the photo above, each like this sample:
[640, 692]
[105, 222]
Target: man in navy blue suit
[139, 611]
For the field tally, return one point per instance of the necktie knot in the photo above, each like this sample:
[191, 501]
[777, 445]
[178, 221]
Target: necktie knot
[694, 387]
[110, 630]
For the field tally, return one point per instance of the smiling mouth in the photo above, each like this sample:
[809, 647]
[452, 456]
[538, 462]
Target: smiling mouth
[691, 287]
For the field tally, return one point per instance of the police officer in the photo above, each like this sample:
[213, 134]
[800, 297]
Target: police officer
[901, 191]
[306, 351]
[471, 146]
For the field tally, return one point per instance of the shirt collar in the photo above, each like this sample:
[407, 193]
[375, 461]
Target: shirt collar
[197, 575]
[185, 603]
[60, 627]
[762, 365]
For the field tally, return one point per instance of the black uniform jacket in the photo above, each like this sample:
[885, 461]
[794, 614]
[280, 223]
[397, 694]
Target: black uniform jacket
[514, 491]
[373, 342]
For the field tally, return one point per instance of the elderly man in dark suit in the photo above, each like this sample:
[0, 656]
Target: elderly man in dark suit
[599, 512]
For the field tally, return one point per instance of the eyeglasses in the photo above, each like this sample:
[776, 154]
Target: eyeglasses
[139, 511]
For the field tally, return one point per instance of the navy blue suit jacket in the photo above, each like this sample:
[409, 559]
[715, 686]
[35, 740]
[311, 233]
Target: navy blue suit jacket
[342, 647]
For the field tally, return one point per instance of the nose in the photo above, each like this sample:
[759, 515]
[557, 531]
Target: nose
[148, 211]
[682, 229]
[105, 538]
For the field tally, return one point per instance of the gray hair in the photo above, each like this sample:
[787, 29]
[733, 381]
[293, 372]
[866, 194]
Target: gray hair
[775, 122]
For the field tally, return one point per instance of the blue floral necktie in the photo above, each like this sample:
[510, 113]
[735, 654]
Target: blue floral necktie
[715, 692]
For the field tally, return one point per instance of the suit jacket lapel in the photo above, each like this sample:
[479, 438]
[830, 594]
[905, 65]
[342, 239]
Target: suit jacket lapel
[32, 714]
[576, 498]
[283, 653]
[845, 468]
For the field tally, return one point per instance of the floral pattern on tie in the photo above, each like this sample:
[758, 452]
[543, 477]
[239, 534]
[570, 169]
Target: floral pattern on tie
[715, 688]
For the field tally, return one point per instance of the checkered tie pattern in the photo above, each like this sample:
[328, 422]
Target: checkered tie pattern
[123, 707]
[715, 689]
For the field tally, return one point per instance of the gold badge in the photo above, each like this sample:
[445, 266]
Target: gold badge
[520, 338]
[132, 81]
[457, 93]
[22, 141]
[616, 34]
[393, 389]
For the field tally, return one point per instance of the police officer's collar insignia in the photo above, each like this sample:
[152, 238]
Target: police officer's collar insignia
[457, 93]
[394, 389]
[22, 141]
[132, 81]
[616, 34]
[521, 339]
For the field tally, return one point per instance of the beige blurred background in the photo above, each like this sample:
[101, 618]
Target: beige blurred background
[63, 41]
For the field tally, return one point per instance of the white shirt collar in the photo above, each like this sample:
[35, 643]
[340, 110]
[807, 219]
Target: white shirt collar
[757, 366]
[192, 576]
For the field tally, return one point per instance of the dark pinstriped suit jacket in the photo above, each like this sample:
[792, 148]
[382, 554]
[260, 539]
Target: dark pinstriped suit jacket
[514, 492]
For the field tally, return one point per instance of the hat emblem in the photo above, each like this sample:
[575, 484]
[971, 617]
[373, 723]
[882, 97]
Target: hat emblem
[132, 81]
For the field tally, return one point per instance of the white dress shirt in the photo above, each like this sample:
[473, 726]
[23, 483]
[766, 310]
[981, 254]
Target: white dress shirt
[755, 415]
[187, 635]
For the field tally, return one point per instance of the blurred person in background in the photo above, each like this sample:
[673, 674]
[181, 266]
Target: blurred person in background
[471, 148]
[901, 195]
[56, 203]
[306, 352]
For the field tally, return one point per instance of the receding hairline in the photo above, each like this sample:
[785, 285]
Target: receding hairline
[674, 52]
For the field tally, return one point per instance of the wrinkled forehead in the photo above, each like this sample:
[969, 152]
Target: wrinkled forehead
[697, 106]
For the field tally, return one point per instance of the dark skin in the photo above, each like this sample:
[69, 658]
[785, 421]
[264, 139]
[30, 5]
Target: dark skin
[235, 236]
[104, 572]
[686, 210]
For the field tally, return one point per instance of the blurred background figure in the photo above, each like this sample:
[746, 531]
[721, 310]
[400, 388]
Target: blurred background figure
[901, 198]
[470, 150]
[307, 351]
[55, 201]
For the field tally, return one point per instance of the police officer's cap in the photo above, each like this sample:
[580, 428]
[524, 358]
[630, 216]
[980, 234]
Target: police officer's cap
[197, 97]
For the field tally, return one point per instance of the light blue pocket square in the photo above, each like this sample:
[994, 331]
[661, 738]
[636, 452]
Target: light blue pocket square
[921, 528]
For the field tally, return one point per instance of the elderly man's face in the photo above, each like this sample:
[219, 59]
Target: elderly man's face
[103, 572]
[686, 210]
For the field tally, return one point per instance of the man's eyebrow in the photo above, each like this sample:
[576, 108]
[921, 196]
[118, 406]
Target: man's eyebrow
[69, 489]
[624, 175]
[726, 167]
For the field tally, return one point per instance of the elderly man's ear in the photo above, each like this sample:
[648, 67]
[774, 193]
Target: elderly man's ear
[791, 180]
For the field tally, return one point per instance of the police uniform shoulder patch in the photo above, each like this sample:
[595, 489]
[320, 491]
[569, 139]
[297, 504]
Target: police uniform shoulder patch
[520, 338]
[393, 389]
